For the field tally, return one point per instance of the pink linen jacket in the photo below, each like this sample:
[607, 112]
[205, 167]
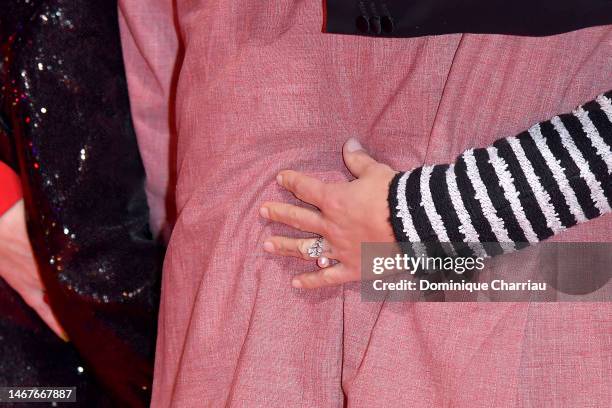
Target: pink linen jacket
[256, 87]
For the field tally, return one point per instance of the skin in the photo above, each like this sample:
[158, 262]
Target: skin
[18, 266]
[349, 213]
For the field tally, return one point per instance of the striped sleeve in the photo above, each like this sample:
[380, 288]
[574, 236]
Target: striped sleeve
[517, 192]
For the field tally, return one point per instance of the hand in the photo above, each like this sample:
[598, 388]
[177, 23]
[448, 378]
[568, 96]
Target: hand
[18, 267]
[349, 213]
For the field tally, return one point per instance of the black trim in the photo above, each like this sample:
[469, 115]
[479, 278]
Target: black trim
[444, 207]
[552, 138]
[600, 120]
[596, 164]
[472, 205]
[572, 172]
[402, 18]
[526, 195]
[497, 196]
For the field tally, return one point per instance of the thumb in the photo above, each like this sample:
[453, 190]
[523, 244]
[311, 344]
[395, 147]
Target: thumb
[357, 160]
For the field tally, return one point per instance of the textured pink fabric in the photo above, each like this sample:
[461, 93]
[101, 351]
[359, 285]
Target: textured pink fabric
[262, 89]
[151, 51]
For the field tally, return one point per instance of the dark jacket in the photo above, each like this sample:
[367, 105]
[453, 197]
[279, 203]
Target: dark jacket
[414, 18]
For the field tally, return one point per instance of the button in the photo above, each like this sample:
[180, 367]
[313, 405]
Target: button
[362, 24]
[387, 25]
[375, 25]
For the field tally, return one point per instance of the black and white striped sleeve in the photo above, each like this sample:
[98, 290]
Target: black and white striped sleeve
[517, 192]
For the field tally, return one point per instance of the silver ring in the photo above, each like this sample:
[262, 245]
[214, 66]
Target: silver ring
[316, 249]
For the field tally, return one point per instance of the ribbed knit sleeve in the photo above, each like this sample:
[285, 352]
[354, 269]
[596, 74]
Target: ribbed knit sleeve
[517, 192]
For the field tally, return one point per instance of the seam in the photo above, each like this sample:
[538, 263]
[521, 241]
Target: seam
[435, 121]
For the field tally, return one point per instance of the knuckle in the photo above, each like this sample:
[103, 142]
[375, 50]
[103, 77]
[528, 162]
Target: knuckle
[293, 216]
[308, 283]
[272, 212]
[372, 166]
[333, 203]
[298, 187]
[279, 244]
[324, 227]
[303, 246]
[328, 277]
[289, 177]
[335, 233]
[288, 182]
[366, 168]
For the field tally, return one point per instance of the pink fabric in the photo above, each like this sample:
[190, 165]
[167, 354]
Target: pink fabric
[150, 50]
[262, 89]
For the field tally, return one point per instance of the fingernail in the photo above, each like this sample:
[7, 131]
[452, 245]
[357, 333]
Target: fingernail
[352, 145]
[279, 179]
[64, 337]
[264, 212]
[296, 283]
[268, 246]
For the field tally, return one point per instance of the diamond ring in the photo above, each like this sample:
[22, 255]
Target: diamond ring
[316, 249]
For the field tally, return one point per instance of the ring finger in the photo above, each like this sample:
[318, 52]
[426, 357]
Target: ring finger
[296, 247]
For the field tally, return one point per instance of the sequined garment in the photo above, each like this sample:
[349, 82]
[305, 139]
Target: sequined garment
[66, 127]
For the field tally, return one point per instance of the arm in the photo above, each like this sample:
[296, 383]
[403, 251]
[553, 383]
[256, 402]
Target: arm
[519, 191]
[400, 18]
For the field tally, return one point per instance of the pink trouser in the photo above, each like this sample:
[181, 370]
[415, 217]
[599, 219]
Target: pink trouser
[261, 89]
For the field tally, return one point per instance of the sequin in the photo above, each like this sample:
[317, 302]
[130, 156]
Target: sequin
[64, 90]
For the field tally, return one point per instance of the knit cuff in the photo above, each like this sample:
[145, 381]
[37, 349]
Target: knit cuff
[10, 188]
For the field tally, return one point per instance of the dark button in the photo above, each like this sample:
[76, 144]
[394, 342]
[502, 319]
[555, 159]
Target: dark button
[375, 25]
[362, 24]
[387, 25]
